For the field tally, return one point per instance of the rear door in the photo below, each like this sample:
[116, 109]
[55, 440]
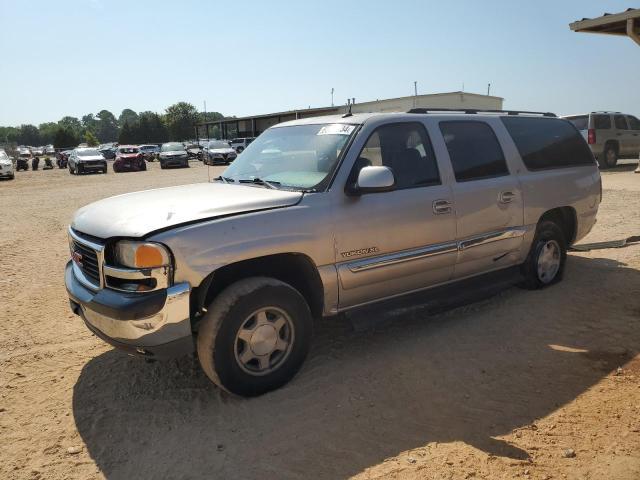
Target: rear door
[488, 199]
[623, 135]
[634, 128]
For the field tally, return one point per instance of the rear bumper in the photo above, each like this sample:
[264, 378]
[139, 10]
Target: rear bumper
[155, 324]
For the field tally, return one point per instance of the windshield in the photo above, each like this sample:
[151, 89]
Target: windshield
[172, 147]
[3, 155]
[128, 150]
[219, 144]
[301, 156]
[89, 153]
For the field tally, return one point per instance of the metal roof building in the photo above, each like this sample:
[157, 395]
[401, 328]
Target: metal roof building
[626, 23]
[253, 125]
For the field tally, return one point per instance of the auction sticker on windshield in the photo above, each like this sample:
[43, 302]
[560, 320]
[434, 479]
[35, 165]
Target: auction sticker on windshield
[336, 129]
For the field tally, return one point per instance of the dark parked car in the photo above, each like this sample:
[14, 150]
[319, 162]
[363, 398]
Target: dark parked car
[129, 158]
[173, 154]
[150, 152]
[219, 151]
[109, 153]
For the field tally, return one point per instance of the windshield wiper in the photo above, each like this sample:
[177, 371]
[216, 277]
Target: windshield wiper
[259, 181]
[225, 179]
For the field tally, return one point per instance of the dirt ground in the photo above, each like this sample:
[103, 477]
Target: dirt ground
[529, 385]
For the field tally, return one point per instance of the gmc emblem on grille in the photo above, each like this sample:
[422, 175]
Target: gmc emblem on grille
[76, 257]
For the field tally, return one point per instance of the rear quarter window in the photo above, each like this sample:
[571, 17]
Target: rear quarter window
[601, 122]
[546, 143]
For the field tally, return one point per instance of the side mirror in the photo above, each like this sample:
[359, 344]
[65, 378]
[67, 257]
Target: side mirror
[372, 180]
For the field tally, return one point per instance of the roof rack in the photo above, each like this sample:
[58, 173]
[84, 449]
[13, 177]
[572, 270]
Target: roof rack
[475, 111]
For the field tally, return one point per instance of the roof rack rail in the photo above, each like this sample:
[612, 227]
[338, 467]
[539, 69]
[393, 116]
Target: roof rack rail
[475, 111]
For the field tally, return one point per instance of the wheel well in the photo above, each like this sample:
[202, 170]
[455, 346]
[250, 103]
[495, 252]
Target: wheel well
[615, 144]
[565, 218]
[296, 269]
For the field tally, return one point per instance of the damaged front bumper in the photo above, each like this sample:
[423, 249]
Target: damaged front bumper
[154, 324]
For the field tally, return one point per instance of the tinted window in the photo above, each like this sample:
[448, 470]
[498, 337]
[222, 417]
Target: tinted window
[634, 123]
[581, 123]
[601, 122]
[548, 142]
[406, 149]
[620, 122]
[474, 150]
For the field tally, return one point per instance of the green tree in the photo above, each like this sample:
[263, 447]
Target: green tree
[71, 123]
[181, 118]
[47, 132]
[126, 134]
[128, 116]
[90, 139]
[65, 138]
[29, 135]
[107, 126]
[90, 123]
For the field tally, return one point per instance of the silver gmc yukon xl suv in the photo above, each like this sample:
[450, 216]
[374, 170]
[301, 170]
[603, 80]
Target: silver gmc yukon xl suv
[323, 215]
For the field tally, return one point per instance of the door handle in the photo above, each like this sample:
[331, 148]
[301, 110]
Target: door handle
[442, 207]
[507, 197]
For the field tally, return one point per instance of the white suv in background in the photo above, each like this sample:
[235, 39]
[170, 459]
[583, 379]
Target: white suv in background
[610, 135]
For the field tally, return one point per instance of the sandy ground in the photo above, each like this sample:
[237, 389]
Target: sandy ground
[497, 389]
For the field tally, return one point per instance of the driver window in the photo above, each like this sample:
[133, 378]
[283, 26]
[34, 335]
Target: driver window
[406, 149]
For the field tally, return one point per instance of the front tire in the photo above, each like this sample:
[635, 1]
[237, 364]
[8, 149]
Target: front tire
[255, 336]
[545, 263]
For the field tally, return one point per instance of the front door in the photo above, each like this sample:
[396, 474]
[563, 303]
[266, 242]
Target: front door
[488, 200]
[389, 243]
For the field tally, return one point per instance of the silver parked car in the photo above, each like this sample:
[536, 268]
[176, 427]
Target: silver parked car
[611, 135]
[218, 151]
[324, 215]
[173, 154]
[86, 160]
[6, 166]
[239, 144]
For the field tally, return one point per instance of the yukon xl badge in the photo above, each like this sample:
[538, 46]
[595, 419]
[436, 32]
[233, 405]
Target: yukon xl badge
[359, 252]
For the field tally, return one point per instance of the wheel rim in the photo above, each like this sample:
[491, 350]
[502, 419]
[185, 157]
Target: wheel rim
[549, 261]
[264, 341]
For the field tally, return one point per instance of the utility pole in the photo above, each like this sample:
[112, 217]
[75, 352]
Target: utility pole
[415, 94]
[332, 96]
[488, 89]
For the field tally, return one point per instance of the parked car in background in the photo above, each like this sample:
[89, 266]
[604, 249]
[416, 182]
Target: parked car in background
[86, 160]
[194, 150]
[37, 151]
[150, 152]
[108, 152]
[610, 135]
[24, 159]
[219, 151]
[324, 215]
[49, 150]
[239, 144]
[173, 154]
[129, 158]
[6, 166]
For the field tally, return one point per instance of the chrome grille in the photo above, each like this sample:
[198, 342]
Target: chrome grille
[88, 261]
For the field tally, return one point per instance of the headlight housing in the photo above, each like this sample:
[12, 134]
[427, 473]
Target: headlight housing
[141, 254]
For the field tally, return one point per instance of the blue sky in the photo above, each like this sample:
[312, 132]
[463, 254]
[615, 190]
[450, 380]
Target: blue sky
[72, 57]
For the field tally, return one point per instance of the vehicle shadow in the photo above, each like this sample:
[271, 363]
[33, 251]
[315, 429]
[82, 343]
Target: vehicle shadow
[471, 374]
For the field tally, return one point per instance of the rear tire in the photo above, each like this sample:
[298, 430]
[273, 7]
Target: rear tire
[255, 336]
[162, 165]
[609, 156]
[545, 263]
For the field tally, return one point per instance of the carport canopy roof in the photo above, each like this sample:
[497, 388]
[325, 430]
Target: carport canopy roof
[624, 23]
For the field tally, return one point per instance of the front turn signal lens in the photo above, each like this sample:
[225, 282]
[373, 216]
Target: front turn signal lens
[141, 254]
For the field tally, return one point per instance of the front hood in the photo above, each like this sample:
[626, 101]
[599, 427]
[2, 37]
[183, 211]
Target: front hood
[91, 158]
[140, 213]
[128, 155]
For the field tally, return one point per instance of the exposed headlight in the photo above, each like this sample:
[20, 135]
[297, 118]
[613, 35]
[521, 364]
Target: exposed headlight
[141, 254]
